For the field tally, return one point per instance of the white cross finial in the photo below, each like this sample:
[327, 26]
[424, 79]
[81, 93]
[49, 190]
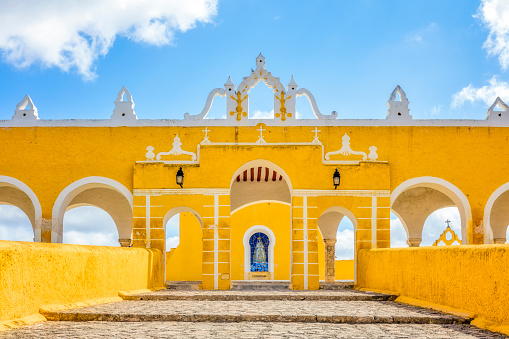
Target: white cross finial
[261, 140]
[316, 130]
[448, 222]
[261, 129]
[206, 138]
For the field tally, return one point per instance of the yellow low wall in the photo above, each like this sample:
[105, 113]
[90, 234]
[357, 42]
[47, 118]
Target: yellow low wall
[344, 270]
[35, 274]
[470, 278]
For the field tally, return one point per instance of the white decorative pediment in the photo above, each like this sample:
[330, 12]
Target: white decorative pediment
[346, 150]
[237, 101]
[175, 151]
[25, 110]
[499, 110]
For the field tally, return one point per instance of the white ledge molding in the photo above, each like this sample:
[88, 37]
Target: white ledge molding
[254, 122]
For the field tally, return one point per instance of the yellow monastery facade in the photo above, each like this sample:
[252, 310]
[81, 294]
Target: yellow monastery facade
[248, 181]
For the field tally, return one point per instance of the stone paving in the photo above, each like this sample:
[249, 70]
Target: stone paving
[132, 330]
[343, 295]
[265, 310]
[249, 314]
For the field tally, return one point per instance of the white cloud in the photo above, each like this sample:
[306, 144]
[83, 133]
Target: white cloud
[344, 244]
[488, 93]
[89, 226]
[495, 16]
[71, 35]
[14, 224]
[172, 242]
[262, 115]
[435, 224]
[398, 233]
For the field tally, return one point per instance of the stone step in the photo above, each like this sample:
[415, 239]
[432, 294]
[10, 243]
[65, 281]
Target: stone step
[336, 285]
[260, 285]
[183, 285]
[230, 295]
[347, 312]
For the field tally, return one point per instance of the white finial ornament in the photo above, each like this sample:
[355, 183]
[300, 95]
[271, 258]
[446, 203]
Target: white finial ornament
[260, 61]
[124, 109]
[229, 86]
[26, 110]
[398, 109]
[501, 113]
[150, 155]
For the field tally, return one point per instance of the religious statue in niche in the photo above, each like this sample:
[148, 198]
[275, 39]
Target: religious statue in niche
[259, 243]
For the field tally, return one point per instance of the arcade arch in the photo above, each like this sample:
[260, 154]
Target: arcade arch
[328, 223]
[496, 216]
[104, 193]
[259, 181]
[415, 199]
[260, 202]
[16, 193]
[184, 261]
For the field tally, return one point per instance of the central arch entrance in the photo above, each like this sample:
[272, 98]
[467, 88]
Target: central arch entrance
[260, 217]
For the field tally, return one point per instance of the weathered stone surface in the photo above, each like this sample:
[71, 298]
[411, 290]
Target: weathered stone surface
[265, 310]
[339, 295]
[242, 330]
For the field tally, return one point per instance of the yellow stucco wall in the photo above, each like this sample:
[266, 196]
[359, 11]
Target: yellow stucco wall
[185, 261]
[112, 152]
[35, 274]
[344, 270]
[276, 217]
[471, 278]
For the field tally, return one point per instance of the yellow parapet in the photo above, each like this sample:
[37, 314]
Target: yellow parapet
[470, 278]
[36, 274]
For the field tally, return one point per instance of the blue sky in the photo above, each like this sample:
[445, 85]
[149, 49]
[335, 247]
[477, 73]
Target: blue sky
[350, 54]
[72, 58]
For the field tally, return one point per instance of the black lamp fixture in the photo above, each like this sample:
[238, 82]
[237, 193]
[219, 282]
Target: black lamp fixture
[336, 178]
[180, 177]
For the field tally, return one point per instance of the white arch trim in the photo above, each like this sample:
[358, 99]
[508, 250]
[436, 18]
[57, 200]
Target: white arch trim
[445, 187]
[261, 202]
[343, 211]
[176, 210]
[263, 163]
[81, 185]
[247, 248]
[35, 202]
[488, 234]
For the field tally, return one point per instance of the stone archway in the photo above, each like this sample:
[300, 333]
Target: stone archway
[415, 199]
[104, 193]
[328, 223]
[15, 192]
[496, 216]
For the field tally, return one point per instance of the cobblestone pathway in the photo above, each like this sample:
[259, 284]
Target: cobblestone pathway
[233, 318]
[131, 330]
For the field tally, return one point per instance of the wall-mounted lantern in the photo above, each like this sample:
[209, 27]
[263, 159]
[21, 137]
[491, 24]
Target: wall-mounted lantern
[180, 177]
[336, 178]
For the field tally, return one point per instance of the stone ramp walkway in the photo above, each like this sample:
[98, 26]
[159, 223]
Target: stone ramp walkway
[142, 330]
[353, 312]
[335, 295]
[252, 314]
